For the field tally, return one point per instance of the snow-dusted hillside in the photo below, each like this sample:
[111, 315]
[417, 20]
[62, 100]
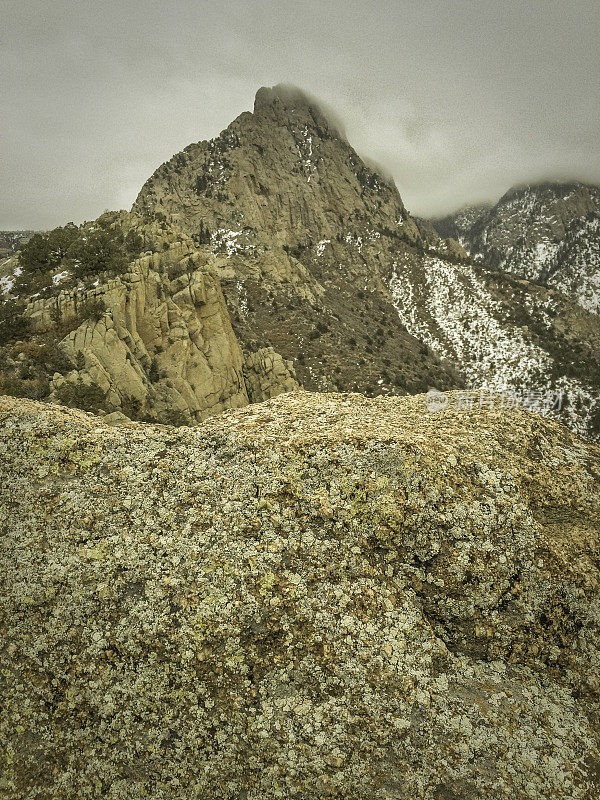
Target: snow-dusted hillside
[504, 334]
[548, 233]
[9, 271]
[574, 267]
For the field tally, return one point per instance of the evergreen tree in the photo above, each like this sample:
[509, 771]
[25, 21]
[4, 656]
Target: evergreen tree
[96, 252]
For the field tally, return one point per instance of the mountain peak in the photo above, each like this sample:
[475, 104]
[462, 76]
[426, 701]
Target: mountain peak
[288, 154]
[285, 100]
[284, 94]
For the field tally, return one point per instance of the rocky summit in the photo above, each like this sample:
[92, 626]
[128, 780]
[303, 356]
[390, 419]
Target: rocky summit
[274, 256]
[320, 596]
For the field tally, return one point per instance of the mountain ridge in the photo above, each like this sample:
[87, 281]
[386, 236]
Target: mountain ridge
[545, 232]
[315, 262]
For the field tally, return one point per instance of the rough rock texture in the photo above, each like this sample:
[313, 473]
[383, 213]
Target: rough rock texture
[266, 375]
[166, 344]
[302, 231]
[290, 172]
[320, 596]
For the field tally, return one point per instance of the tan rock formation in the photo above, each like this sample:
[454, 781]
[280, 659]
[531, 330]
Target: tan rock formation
[164, 346]
[267, 375]
[320, 596]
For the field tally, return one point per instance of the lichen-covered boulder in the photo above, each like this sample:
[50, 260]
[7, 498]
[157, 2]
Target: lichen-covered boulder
[321, 596]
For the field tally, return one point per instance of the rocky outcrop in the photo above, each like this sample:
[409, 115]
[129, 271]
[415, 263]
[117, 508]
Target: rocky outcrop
[277, 176]
[267, 375]
[301, 230]
[155, 342]
[164, 346]
[319, 596]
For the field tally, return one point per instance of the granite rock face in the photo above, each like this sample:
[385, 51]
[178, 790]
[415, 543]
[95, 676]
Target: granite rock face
[319, 596]
[164, 343]
[267, 375]
[154, 341]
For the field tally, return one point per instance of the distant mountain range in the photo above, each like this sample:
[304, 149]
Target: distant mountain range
[548, 233]
[10, 241]
[273, 256]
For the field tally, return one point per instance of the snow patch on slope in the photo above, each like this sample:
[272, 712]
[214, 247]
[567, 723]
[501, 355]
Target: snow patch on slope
[305, 150]
[7, 281]
[449, 308]
[462, 325]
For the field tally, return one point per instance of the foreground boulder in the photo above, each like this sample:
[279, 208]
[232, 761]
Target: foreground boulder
[322, 596]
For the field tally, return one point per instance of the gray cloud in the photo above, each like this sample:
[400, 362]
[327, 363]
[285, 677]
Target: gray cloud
[457, 100]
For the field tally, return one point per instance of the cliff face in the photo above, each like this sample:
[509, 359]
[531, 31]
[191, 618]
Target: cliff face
[336, 597]
[165, 345]
[154, 341]
[281, 175]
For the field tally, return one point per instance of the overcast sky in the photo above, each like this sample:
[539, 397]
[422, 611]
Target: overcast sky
[458, 99]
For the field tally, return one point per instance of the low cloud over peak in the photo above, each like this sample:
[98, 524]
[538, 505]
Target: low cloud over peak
[456, 101]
